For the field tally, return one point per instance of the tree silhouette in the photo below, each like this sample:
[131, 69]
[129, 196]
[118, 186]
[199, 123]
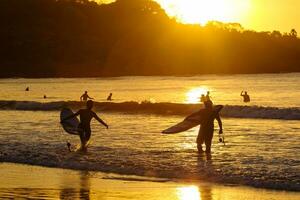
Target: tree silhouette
[130, 37]
[293, 33]
[276, 34]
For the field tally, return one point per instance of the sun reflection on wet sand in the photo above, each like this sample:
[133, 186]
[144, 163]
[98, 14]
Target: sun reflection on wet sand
[32, 182]
[189, 193]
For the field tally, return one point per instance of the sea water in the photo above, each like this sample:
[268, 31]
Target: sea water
[271, 90]
[257, 152]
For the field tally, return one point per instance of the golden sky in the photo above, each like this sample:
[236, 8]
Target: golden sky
[260, 15]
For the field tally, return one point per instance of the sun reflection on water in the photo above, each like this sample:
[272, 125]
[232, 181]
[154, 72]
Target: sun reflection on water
[189, 193]
[193, 95]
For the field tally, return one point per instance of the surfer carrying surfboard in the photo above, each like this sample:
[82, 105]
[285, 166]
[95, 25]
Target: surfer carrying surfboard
[84, 127]
[206, 130]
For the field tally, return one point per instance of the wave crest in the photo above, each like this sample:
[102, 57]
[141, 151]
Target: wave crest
[234, 111]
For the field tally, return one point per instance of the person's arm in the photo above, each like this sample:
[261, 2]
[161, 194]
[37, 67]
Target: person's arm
[242, 93]
[218, 118]
[100, 120]
[90, 97]
[70, 117]
[81, 97]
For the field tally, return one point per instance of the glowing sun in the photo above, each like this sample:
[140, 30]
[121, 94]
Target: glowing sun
[202, 11]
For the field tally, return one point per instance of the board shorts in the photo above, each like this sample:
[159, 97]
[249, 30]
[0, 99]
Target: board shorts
[204, 137]
[85, 132]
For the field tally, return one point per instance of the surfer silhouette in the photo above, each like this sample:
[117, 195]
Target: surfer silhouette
[109, 98]
[202, 98]
[245, 96]
[207, 97]
[206, 130]
[84, 128]
[85, 96]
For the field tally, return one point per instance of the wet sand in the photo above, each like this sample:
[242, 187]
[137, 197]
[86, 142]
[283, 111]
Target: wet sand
[34, 182]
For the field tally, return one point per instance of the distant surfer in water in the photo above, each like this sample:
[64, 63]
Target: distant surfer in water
[245, 96]
[202, 98]
[206, 130]
[85, 96]
[207, 97]
[109, 98]
[86, 115]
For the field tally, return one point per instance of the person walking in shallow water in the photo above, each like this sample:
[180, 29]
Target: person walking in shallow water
[206, 130]
[85, 96]
[245, 96]
[86, 115]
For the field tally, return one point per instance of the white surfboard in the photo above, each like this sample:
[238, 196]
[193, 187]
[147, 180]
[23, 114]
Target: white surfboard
[70, 125]
[190, 121]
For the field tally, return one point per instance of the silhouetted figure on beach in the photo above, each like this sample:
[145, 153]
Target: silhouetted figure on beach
[202, 98]
[27, 89]
[45, 97]
[206, 130]
[86, 115]
[207, 97]
[109, 98]
[245, 96]
[85, 96]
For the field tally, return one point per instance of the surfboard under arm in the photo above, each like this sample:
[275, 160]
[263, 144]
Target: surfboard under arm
[70, 125]
[190, 121]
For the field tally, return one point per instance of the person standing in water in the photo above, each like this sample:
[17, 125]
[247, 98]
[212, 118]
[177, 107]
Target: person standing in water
[207, 97]
[84, 128]
[245, 96]
[206, 130]
[202, 98]
[85, 96]
[109, 98]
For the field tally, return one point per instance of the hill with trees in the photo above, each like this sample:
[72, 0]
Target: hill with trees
[79, 38]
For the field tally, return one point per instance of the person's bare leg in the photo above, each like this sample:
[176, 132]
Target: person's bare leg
[85, 139]
[200, 142]
[208, 141]
[82, 140]
[199, 147]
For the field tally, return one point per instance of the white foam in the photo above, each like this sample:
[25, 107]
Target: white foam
[160, 108]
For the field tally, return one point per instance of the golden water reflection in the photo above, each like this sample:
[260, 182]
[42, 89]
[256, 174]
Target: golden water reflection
[194, 94]
[32, 182]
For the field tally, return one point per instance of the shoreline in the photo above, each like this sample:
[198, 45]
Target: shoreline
[127, 176]
[54, 183]
[20, 181]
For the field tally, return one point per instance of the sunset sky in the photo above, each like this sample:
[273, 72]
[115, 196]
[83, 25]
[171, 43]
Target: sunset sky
[260, 15]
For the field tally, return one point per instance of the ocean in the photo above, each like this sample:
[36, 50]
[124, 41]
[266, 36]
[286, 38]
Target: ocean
[262, 137]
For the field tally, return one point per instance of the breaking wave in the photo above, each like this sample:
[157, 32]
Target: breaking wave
[234, 111]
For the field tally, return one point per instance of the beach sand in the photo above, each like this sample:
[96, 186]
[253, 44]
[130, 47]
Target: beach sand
[33, 182]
